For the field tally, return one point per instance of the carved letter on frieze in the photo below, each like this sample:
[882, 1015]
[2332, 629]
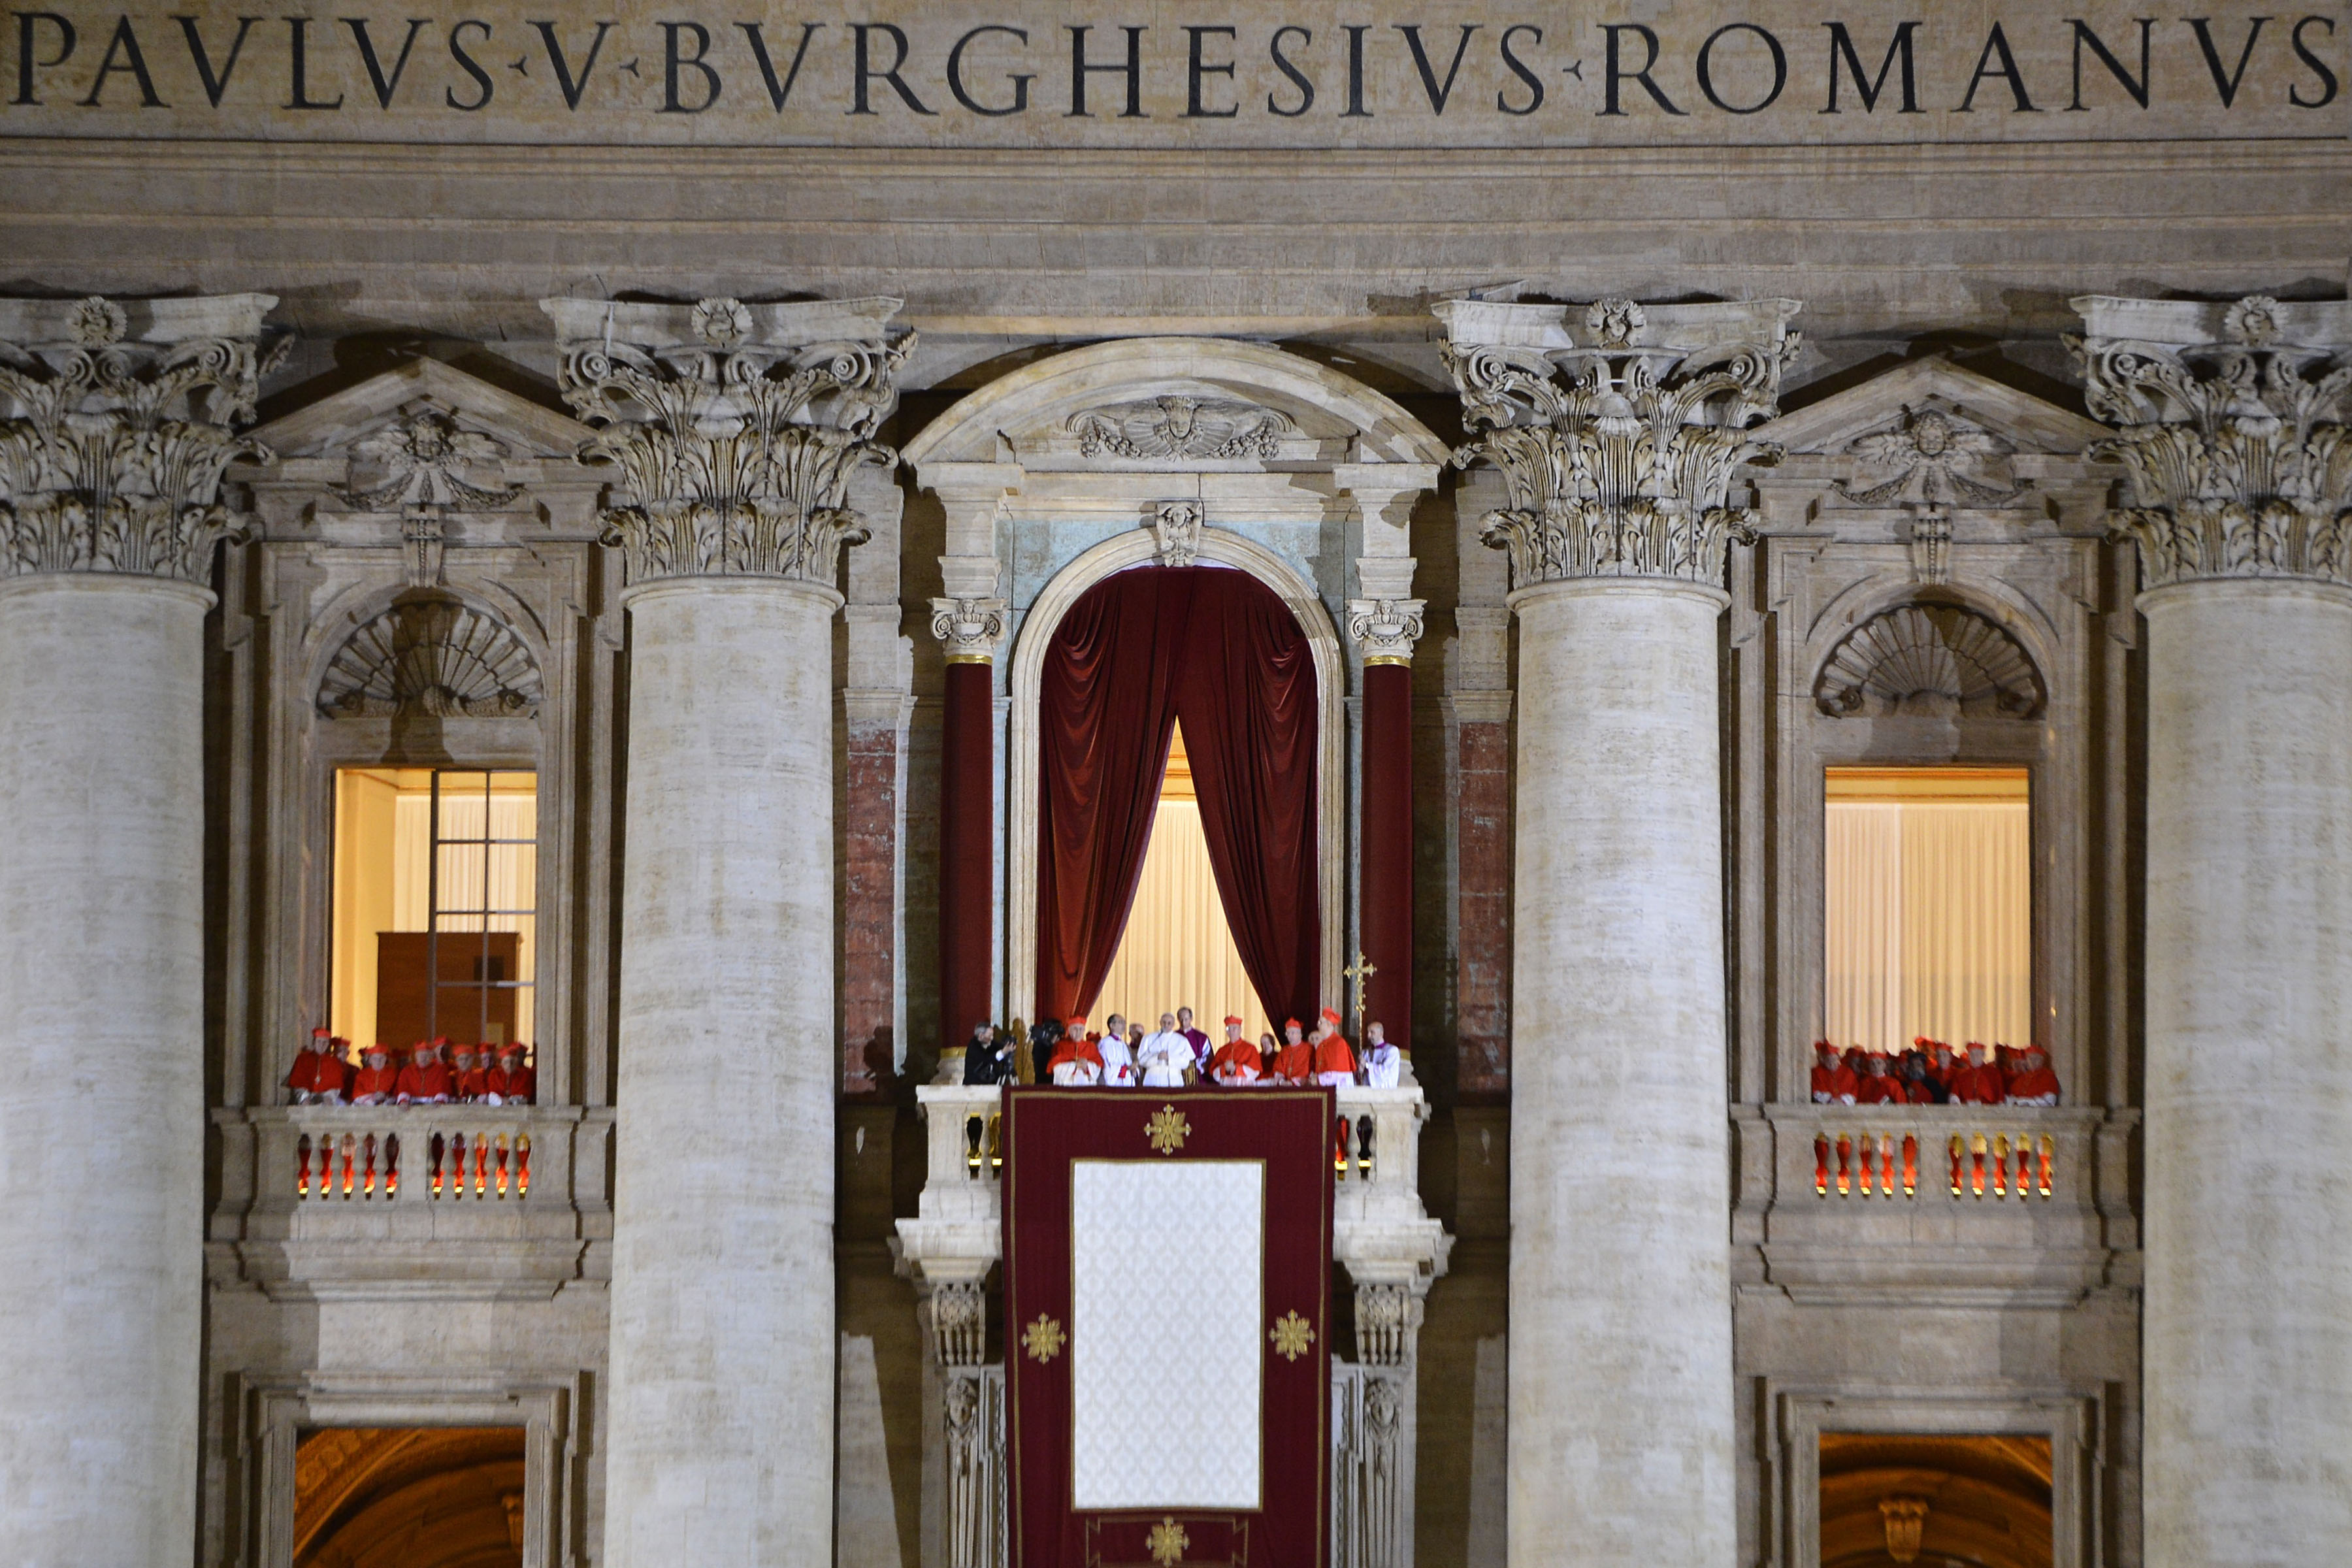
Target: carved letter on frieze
[1176, 527]
[116, 423]
[735, 428]
[2230, 420]
[436, 658]
[1617, 430]
[969, 629]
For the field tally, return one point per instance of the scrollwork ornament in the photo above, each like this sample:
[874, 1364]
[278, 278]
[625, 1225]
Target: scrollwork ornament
[969, 629]
[1386, 629]
[1618, 461]
[112, 453]
[2237, 449]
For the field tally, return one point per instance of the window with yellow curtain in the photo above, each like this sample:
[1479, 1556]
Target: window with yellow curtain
[1176, 950]
[435, 878]
[1928, 906]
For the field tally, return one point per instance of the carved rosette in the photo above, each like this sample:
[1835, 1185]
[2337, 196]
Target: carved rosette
[2230, 421]
[112, 445]
[735, 436]
[1385, 629]
[1617, 442]
[969, 629]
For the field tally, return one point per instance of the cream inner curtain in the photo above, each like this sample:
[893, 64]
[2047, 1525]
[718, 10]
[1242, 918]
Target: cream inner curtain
[1176, 950]
[1929, 921]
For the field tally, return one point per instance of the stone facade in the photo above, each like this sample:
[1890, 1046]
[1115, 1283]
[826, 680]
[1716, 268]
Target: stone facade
[678, 454]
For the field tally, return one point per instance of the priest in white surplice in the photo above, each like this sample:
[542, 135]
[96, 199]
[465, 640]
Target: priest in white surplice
[1119, 1059]
[1164, 1056]
[1383, 1063]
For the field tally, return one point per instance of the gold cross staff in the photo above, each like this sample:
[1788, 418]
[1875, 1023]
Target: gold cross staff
[1363, 968]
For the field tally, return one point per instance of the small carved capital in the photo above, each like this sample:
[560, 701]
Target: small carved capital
[1388, 1324]
[956, 1313]
[2232, 423]
[1617, 430]
[735, 428]
[969, 629]
[1176, 528]
[1385, 629]
[117, 420]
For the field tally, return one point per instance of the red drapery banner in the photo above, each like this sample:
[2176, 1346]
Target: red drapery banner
[1067, 1276]
[1138, 652]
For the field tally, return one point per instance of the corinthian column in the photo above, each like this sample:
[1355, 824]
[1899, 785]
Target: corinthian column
[1617, 430]
[114, 427]
[2231, 424]
[734, 429]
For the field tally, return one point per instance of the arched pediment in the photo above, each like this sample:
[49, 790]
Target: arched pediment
[1160, 403]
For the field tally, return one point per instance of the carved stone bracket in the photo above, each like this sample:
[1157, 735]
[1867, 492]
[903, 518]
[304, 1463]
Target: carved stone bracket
[969, 629]
[1385, 629]
[1617, 428]
[2230, 421]
[735, 428]
[1931, 546]
[956, 1313]
[117, 419]
[1176, 526]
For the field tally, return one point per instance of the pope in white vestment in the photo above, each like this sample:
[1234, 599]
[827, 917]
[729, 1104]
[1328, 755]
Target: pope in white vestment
[1164, 1056]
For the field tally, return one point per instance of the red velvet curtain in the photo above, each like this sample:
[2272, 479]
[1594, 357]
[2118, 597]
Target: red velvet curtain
[1138, 651]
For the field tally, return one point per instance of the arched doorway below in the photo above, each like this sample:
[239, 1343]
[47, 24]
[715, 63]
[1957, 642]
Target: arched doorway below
[409, 1497]
[1896, 1499]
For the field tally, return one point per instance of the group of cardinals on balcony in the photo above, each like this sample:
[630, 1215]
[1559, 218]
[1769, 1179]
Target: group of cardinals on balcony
[1932, 1073]
[324, 1075]
[1177, 1055]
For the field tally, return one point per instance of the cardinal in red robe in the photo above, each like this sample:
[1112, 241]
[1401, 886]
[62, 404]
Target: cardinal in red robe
[1294, 1062]
[512, 1081]
[1237, 1062]
[378, 1081]
[1335, 1059]
[302, 1082]
[1077, 1060]
[2034, 1084]
[469, 1072]
[1978, 1082]
[1876, 1085]
[427, 1080]
[1835, 1083]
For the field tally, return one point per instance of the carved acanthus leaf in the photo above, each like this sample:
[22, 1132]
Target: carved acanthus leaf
[111, 451]
[734, 453]
[434, 658]
[1617, 452]
[425, 461]
[1928, 658]
[2235, 439]
[1181, 427]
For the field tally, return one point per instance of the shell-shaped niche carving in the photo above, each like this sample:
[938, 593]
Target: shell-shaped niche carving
[1930, 659]
[434, 658]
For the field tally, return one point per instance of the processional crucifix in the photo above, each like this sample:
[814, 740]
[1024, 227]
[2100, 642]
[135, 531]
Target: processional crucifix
[1360, 971]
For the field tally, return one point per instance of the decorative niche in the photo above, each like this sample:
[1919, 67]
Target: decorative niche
[1929, 660]
[431, 657]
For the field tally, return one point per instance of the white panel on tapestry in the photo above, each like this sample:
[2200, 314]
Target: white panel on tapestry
[1166, 1281]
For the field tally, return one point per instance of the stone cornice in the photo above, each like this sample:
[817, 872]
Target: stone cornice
[1617, 428]
[117, 418]
[2230, 420]
[735, 428]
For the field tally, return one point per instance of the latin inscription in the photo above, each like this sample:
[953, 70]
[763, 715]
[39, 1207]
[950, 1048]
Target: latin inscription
[1180, 75]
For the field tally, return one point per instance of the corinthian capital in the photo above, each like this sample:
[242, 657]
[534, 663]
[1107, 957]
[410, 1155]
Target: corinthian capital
[735, 428]
[117, 417]
[2230, 421]
[1617, 428]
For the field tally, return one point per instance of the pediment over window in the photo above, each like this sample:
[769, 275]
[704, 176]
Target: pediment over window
[431, 657]
[424, 434]
[1928, 658]
[1928, 434]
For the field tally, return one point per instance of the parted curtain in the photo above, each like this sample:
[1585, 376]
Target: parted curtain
[1136, 652]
